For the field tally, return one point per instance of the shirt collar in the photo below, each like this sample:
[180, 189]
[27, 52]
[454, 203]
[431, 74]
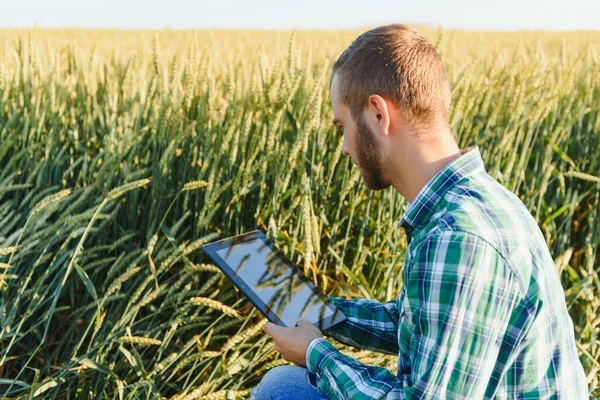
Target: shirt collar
[420, 209]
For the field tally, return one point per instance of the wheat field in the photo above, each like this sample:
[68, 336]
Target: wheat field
[122, 152]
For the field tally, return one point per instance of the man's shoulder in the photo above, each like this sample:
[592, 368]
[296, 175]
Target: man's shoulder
[483, 212]
[484, 208]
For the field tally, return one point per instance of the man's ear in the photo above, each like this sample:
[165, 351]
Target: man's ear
[379, 113]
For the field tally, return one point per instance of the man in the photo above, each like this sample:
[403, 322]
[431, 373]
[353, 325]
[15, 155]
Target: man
[482, 313]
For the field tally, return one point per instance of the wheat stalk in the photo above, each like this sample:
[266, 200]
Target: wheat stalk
[215, 305]
[193, 185]
[246, 334]
[582, 176]
[8, 250]
[144, 341]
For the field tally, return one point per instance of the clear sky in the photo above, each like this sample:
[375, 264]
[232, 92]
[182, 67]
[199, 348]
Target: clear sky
[302, 14]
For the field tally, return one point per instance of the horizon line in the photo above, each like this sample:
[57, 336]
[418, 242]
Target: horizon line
[292, 29]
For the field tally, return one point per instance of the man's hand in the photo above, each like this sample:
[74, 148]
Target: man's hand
[292, 343]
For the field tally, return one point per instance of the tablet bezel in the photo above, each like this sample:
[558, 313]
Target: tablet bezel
[211, 250]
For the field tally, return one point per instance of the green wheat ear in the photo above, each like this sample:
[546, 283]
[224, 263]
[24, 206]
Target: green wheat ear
[193, 185]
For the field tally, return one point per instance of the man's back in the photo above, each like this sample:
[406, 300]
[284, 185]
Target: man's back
[544, 362]
[482, 313]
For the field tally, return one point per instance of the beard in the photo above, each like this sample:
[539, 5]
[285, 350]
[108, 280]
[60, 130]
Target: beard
[368, 151]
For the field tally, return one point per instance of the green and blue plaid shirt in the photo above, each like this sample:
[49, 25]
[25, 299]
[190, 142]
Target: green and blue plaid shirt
[482, 313]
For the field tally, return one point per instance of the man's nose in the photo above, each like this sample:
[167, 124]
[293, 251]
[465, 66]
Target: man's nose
[345, 150]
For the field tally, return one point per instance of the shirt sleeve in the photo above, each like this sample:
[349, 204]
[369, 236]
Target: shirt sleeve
[461, 295]
[343, 377]
[369, 324]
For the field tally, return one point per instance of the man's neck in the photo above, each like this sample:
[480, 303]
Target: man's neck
[419, 163]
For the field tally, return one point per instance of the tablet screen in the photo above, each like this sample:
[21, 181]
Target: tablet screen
[274, 282]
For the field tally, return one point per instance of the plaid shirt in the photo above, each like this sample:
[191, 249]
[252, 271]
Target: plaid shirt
[482, 313]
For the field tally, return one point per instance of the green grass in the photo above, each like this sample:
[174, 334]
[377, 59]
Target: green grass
[104, 291]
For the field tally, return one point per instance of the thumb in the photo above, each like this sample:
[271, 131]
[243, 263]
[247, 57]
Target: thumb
[303, 321]
[272, 329]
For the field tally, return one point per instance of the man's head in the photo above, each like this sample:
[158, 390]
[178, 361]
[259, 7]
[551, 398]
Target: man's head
[389, 90]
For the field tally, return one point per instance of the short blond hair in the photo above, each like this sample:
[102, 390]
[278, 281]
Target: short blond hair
[398, 63]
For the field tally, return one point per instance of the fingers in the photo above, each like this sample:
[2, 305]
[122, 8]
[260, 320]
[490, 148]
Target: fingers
[269, 328]
[275, 330]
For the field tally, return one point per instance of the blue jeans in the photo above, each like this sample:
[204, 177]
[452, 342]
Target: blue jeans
[287, 382]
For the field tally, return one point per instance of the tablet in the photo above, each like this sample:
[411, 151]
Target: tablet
[276, 287]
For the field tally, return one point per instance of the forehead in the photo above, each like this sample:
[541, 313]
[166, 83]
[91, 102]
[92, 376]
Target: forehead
[335, 90]
[339, 110]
